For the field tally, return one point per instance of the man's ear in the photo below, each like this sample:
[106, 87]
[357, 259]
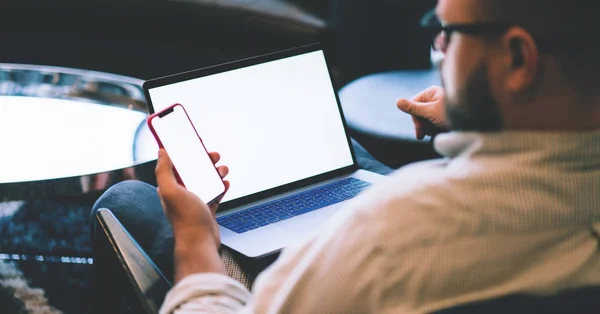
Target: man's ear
[517, 54]
[522, 58]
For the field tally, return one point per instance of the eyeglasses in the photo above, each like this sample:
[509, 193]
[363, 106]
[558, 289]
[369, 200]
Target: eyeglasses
[442, 37]
[443, 33]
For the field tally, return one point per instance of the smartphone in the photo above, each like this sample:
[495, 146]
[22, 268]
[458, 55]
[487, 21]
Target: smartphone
[174, 131]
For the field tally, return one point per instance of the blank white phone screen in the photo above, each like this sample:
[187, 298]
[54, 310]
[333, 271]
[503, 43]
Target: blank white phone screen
[188, 155]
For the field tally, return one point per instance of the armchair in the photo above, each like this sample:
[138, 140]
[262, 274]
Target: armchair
[150, 286]
[122, 264]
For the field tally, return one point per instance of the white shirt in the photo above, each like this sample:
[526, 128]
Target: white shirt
[503, 213]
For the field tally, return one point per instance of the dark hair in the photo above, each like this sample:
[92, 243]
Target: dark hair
[569, 26]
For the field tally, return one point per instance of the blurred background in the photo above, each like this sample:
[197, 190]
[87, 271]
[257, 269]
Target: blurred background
[150, 38]
[72, 108]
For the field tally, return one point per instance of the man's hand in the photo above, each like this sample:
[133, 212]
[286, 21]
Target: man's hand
[189, 215]
[195, 228]
[427, 110]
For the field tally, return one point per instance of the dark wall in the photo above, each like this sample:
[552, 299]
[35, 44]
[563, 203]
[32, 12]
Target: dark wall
[381, 35]
[142, 39]
[151, 38]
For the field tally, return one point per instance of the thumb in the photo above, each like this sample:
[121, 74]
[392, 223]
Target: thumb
[165, 176]
[413, 108]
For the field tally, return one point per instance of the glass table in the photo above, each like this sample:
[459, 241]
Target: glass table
[68, 131]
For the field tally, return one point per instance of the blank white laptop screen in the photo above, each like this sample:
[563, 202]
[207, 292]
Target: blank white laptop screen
[273, 123]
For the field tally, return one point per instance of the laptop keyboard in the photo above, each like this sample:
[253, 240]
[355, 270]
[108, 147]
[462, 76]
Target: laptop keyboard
[293, 205]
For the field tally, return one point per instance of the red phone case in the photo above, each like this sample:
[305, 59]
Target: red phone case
[170, 108]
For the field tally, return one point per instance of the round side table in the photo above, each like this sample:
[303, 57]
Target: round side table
[369, 105]
[66, 131]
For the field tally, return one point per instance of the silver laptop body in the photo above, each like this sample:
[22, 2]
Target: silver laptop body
[277, 122]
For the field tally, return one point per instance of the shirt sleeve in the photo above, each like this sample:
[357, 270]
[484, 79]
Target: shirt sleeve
[206, 293]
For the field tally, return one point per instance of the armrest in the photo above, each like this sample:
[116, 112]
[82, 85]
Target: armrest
[149, 283]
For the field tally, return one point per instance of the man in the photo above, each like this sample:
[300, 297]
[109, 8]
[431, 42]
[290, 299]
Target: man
[512, 208]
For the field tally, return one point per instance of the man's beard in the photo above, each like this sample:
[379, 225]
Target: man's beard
[474, 108]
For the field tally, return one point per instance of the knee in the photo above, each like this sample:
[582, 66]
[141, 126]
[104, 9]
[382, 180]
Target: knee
[124, 194]
[124, 191]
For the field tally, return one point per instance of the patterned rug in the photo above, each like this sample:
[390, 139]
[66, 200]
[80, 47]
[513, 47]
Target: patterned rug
[16, 296]
[45, 256]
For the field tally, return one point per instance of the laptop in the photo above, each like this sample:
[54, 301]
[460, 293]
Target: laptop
[277, 122]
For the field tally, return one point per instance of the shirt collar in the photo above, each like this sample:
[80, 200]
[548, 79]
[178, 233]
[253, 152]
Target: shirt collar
[546, 146]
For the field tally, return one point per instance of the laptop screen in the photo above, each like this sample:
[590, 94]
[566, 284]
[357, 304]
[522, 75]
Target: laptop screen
[273, 123]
